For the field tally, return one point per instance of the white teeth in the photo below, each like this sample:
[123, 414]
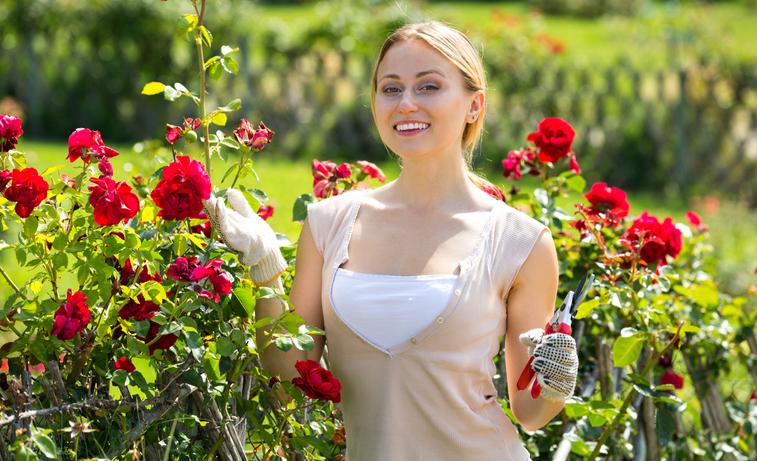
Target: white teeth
[411, 126]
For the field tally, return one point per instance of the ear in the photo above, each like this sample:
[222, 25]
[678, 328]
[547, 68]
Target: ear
[476, 106]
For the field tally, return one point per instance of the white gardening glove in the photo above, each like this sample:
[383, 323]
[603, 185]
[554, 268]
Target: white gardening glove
[248, 234]
[555, 362]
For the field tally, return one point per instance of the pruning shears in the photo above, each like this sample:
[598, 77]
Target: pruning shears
[560, 322]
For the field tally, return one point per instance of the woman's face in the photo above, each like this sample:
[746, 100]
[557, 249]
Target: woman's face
[421, 102]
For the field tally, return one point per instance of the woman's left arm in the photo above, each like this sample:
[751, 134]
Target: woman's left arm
[530, 304]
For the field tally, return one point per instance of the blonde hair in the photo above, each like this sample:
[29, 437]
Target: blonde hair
[459, 50]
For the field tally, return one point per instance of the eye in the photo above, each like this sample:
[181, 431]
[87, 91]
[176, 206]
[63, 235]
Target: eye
[427, 87]
[390, 90]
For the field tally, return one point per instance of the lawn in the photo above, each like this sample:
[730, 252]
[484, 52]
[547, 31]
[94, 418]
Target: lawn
[729, 26]
[733, 226]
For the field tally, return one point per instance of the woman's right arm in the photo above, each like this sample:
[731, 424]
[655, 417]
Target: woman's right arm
[305, 299]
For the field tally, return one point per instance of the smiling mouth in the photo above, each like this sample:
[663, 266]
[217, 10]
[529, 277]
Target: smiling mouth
[411, 128]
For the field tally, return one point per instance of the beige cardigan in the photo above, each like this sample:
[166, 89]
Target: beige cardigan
[432, 397]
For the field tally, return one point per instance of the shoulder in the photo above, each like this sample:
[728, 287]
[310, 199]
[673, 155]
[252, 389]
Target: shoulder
[333, 206]
[511, 220]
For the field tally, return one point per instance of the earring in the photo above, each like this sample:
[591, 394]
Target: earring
[473, 118]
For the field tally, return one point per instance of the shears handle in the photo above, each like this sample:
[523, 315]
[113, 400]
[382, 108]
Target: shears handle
[528, 372]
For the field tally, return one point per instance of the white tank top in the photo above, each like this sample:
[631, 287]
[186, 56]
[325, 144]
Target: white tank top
[387, 310]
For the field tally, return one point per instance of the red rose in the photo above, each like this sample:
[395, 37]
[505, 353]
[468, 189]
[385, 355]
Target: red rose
[326, 174]
[343, 171]
[493, 190]
[182, 268]
[317, 382]
[5, 178]
[659, 239]
[184, 186]
[164, 342]
[27, 189]
[671, 377]
[71, 317]
[265, 211]
[691, 216]
[219, 278]
[553, 138]
[574, 164]
[105, 167]
[203, 228]
[127, 273]
[606, 201]
[173, 133]
[114, 202]
[253, 138]
[191, 124]
[371, 170]
[138, 310]
[511, 164]
[123, 363]
[4, 366]
[85, 144]
[10, 131]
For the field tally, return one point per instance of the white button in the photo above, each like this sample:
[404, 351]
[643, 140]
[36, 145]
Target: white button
[413, 340]
[440, 320]
[457, 292]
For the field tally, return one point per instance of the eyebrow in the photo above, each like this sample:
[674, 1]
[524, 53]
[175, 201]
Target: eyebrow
[418, 75]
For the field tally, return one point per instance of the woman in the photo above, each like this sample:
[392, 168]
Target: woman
[415, 282]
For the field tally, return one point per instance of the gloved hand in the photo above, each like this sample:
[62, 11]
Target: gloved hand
[248, 234]
[555, 362]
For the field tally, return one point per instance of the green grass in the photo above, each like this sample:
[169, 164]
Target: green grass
[728, 25]
[733, 226]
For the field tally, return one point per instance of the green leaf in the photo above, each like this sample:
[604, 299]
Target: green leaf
[225, 347]
[188, 22]
[233, 105]
[304, 342]
[226, 49]
[219, 118]
[52, 169]
[626, 350]
[60, 261]
[30, 227]
[153, 88]
[215, 70]
[258, 195]
[576, 183]
[597, 420]
[245, 299]
[300, 208]
[207, 37]
[231, 169]
[229, 65]
[180, 87]
[26, 454]
[171, 94]
[585, 308]
[284, 343]
[46, 445]
[194, 341]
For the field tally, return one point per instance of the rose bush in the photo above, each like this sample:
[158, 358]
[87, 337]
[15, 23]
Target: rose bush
[152, 352]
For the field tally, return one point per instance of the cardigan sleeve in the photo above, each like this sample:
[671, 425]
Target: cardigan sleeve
[517, 237]
[326, 217]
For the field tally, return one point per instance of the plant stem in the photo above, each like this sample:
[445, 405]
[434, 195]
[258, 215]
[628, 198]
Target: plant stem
[239, 169]
[12, 285]
[631, 394]
[170, 439]
[203, 84]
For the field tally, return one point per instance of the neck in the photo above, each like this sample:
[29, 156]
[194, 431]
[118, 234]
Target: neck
[434, 184]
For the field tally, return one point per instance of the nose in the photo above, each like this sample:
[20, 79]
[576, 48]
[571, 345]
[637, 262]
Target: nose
[407, 103]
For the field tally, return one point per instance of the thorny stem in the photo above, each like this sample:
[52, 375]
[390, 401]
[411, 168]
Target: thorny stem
[242, 159]
[12, 285]
[631, 394]
[201, 60]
